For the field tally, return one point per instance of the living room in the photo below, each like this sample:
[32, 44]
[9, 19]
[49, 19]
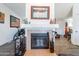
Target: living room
[40, 27]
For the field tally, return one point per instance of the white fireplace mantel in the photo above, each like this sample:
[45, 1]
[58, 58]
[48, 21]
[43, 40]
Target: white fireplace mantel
[40, 27]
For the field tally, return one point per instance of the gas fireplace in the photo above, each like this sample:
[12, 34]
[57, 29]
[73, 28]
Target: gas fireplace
[39, 41]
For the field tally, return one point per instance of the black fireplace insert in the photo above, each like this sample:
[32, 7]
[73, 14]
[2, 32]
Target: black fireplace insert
[39, 41]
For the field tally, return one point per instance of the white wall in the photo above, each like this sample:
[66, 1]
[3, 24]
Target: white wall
[62, 10]
[69, 21]
[75, 34]
[61, 23]
[6, 33]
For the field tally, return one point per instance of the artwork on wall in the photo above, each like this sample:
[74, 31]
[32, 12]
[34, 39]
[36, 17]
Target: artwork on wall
[2, 17]
[14, 22]
[40, 12]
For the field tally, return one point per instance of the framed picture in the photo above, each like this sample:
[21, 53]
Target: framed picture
[40, 12]
[2, 17]
[14, 22]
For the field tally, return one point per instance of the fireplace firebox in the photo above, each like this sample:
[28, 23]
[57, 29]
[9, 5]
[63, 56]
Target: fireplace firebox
[39, 41]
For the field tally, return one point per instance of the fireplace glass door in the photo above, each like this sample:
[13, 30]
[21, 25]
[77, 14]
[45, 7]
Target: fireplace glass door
[39, 40]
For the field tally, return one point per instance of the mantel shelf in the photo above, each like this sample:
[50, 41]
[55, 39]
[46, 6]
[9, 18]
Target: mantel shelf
[40, 27]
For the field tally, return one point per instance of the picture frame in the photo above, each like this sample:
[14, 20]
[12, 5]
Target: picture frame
[2, 17]
[40, 12]
[14, 22]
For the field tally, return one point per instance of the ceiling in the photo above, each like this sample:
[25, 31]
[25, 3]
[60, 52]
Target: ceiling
[18, 8]
[63, 10]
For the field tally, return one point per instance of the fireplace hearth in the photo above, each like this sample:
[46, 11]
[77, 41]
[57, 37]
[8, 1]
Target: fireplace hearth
[39, 41]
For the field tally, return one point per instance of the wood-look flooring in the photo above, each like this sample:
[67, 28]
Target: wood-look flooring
[39, 52]
[62, 46]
